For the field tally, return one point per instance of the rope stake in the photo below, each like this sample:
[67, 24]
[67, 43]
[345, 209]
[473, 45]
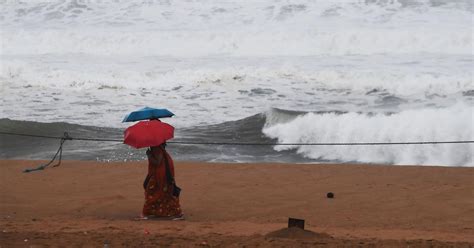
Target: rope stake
[60, 152]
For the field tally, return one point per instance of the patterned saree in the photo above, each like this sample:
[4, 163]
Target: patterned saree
[159, 198]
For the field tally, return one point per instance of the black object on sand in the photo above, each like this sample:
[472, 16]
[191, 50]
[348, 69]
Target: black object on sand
[299, 223]
[330, 195]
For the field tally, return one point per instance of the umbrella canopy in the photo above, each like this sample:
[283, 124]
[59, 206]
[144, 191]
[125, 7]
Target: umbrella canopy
[147, 113]
[148, 133]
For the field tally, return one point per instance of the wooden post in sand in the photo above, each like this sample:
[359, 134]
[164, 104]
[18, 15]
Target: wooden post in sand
[299, 223]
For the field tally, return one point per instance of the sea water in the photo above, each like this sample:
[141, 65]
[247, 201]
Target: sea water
[303, 71]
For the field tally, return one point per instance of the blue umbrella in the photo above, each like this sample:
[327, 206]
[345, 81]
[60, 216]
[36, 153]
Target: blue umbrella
[147, 113]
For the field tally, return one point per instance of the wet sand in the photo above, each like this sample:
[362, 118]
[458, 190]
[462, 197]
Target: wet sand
[83, 203]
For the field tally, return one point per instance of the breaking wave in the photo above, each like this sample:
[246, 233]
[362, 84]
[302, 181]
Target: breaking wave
[453, 123]
[393, 75]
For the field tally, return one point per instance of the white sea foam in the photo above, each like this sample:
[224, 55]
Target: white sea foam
[397, 75]
[267, 28]
[445, 124]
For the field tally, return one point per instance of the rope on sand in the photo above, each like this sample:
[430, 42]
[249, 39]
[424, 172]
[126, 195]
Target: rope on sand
[67, 137]
[60, 152]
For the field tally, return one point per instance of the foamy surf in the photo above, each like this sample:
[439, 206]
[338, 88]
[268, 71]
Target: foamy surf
[237, 28]
[443, 124]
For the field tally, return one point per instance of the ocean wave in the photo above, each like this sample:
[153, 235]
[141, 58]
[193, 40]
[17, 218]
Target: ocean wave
[236, 43]
[265, 28]
[359, 75]
[243, 130]
[435, 124]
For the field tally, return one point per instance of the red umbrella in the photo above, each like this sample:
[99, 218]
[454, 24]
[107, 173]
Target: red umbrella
[148, 133]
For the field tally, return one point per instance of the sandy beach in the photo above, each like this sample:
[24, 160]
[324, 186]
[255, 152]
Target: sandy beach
[90, 204]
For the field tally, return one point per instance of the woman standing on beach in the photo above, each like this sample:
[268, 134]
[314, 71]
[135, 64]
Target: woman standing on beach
[161, 192]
